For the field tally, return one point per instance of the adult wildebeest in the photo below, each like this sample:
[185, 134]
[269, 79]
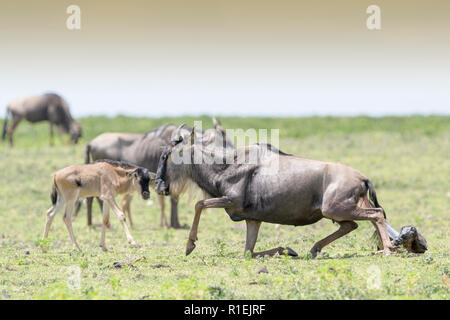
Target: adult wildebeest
[145, 150]
[104, 179]
[259, 183]
[47, 107]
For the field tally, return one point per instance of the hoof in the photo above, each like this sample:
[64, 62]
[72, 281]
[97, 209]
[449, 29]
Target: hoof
[383, 252]
[135, 245]
[314, 252]
[104, 248]
[291, 252]
[189, 249]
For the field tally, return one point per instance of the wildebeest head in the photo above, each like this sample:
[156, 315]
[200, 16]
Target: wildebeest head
[75, 131]
[176, 145]
[144, 177]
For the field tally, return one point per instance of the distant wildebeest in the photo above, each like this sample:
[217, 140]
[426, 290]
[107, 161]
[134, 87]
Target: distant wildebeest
[104, 179]
[47, 107]
[275, 187]
[145, 150]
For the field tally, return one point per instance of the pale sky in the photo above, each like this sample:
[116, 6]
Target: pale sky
[258, 58]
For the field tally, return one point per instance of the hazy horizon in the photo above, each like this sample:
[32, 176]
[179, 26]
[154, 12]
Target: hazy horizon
[229, 58]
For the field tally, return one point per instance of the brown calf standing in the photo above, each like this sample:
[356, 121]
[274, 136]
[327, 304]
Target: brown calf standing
[104, 179]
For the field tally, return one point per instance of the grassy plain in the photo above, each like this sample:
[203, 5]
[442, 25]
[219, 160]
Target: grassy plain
[407, 159]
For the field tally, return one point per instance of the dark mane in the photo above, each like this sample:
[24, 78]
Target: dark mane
[273, 149]
[162, 128]
[122, 164]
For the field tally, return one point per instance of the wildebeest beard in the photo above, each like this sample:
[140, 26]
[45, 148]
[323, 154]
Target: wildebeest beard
[161, 186]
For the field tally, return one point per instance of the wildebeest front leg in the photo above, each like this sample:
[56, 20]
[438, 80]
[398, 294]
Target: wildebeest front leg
[222, 202]
[162, 205]
[345, 227]
[125, 203]
[252, 235]
[52, 136]
[112, 203]
[174, 223]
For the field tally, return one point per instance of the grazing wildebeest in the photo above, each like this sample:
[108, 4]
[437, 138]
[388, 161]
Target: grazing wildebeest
[145, 150]
[273, 187]
[104, 179]
[47, 107]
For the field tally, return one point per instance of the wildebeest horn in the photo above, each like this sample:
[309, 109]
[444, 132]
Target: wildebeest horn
[216, 122]
[193, 135]
[178, 131]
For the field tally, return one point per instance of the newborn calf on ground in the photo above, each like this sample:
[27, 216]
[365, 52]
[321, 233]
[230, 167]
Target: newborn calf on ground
[104, 179]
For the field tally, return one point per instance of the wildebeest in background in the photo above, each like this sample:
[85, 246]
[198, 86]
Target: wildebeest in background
[145, 150]
[104, 179]
[275, 187]
[47, 107]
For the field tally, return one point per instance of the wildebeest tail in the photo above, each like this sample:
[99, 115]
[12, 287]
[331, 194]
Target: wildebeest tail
[373, 195]
[54, 194]
[5, 124]
[88, 152]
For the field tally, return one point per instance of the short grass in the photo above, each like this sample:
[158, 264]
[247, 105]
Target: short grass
[407, 159]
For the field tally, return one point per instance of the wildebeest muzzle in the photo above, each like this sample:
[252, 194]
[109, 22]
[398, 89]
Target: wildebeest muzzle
[145, 195]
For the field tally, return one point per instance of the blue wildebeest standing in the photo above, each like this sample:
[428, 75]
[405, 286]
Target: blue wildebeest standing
[275, 187]
[47, 107]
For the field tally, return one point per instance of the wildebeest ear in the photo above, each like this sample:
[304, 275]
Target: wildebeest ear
[179, 138]
[152, 175]
[132, 174]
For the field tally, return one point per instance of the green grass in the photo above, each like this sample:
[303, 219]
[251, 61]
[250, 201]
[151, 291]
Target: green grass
[407, 159]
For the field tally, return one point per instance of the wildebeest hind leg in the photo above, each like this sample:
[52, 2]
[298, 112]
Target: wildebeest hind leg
[50, 215]
[89, 201]
[375, 215]
[252, 235]
[345, 227]
[16, 120]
